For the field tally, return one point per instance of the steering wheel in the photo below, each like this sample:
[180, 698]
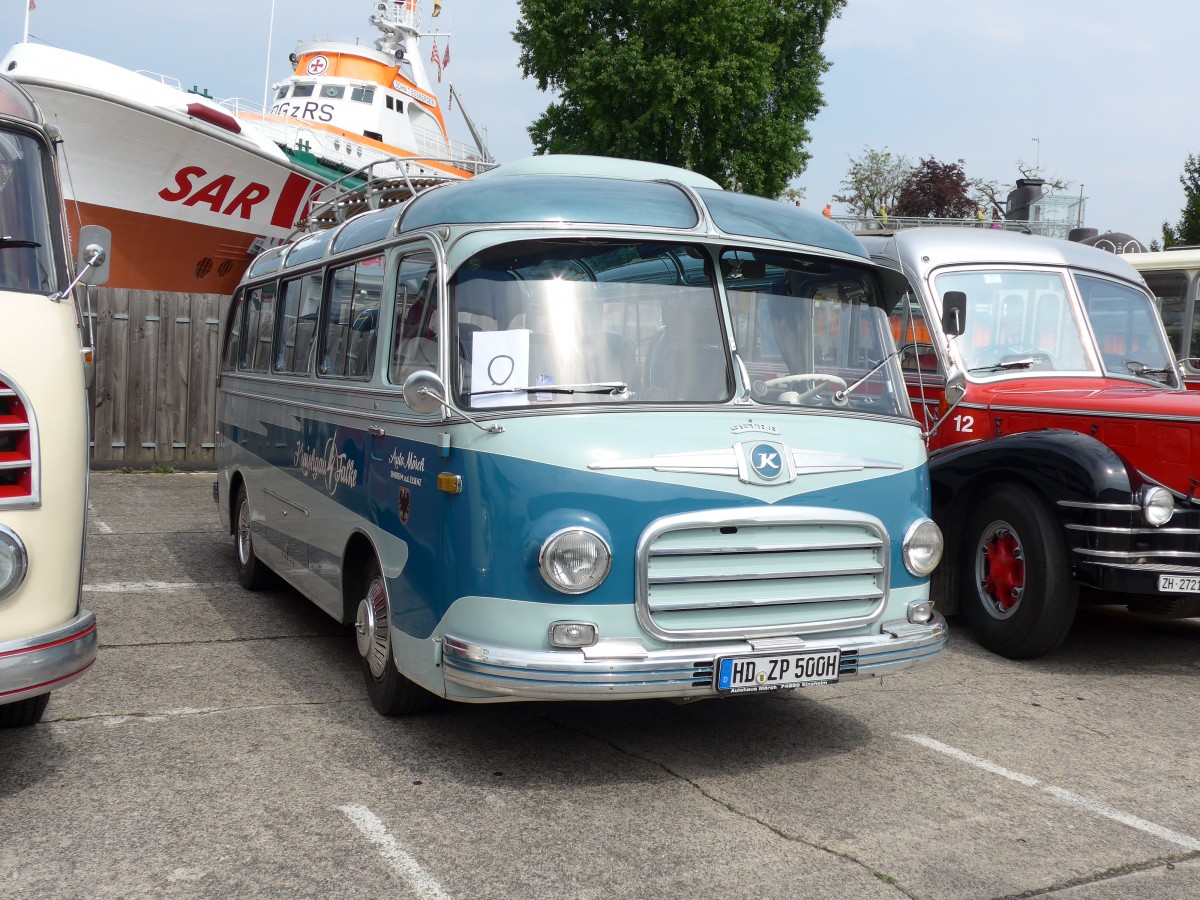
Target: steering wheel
[823, 379]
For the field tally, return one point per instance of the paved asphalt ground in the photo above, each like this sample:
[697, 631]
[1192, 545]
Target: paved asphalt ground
[222, 746]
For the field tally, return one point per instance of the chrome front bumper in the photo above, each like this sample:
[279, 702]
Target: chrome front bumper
[624, 670]
[44, 662]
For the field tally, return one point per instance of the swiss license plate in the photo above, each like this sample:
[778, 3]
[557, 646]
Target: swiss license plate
[748, 674]
[1185, 584]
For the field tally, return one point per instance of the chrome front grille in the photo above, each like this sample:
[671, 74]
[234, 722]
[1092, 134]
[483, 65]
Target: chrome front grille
[761, 571]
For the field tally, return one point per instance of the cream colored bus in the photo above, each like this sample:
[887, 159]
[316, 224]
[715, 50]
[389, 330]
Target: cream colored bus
[1173, 276]
[47, 639]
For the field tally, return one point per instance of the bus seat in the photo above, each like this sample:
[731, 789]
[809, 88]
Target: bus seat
[466, 333]
[612, 358]
[413, 355]
[685, 361]
[361, 360]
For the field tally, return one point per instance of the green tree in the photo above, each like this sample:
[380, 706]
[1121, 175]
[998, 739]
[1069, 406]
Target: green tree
[873, 182]
[722, 87]
[1187, 229]
[936, 189]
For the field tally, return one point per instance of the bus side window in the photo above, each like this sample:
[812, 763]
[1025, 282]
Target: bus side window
[299, 309]
[415, 329]
[259, 329]
[352, 320]
[1170, 290]
[233, 335]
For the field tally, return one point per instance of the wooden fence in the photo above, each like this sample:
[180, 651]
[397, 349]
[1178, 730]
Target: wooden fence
[154, 394]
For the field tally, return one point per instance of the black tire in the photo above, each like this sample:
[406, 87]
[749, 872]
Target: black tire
[1019, 596]
[22, 713]
[391, 693]
[252, 574]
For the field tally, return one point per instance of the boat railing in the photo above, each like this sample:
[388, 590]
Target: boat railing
[875, 224]
[239, 105]
[431, 143]
[377, 185]
[162, 79]
[291, 132]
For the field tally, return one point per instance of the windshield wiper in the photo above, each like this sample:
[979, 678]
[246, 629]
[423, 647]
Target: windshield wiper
[6, 241]
[1012, 364]
[1142, 370]
[614, 388]
[850, 389]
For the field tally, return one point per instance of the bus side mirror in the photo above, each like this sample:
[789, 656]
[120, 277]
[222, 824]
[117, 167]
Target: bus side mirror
[95, 247]
[424, 392]
[954, 313]
[956, 387]
[954, 390]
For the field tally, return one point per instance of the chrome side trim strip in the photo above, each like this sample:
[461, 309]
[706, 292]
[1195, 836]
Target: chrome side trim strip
[1106, 530]
[283, 499]
[1096, 414]
[1148, 567]
[1119, 507]
[1134, 555]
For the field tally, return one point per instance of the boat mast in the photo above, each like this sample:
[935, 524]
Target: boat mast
[479, 141]
[398, 22]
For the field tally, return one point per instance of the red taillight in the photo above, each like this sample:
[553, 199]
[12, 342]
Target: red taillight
[16, 460]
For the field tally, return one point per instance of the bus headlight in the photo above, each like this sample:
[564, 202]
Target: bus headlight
[13, 562]
[922, 547]
[1157, 505]
[574, 560]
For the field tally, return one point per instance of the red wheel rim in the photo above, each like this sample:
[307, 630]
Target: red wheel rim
[1001, 568]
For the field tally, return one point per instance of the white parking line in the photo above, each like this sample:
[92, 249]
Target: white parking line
[1100, 809]
[101, 526]
[401, 863]
[149, 587]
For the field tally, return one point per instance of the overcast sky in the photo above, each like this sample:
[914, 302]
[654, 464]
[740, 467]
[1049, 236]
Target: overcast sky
[1097, 93]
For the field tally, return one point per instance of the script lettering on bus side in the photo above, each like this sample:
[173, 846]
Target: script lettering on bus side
[404, 464]
[336, 468]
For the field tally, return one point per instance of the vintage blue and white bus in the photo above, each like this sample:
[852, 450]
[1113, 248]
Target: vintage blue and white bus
[582, 429]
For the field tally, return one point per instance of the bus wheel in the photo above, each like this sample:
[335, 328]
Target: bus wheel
[23, 712]
[1020, 597]
[391, 693]
[252, 574]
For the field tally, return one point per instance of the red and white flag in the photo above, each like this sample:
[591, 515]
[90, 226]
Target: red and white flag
[436, 59]
[446, 58]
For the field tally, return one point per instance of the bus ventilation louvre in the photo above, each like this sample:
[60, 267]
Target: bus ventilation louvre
[16, 461]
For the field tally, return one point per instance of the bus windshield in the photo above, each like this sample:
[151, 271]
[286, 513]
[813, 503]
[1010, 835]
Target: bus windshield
[1017, 321]
[1127, 330]
[26, 249]
[573, 321]
[811, 333]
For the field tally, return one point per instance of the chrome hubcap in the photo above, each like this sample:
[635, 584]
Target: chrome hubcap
[371, 628]
[243, 533]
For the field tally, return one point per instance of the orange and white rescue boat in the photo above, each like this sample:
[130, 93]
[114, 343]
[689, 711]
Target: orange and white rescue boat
[192, 188]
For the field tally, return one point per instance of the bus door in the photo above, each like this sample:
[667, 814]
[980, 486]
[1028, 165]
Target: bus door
[402, 457]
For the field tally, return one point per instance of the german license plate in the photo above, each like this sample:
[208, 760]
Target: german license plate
[1183, 584]
[748, 674]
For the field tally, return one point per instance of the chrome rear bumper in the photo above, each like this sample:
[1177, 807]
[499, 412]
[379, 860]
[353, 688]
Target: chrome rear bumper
[621, 670]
